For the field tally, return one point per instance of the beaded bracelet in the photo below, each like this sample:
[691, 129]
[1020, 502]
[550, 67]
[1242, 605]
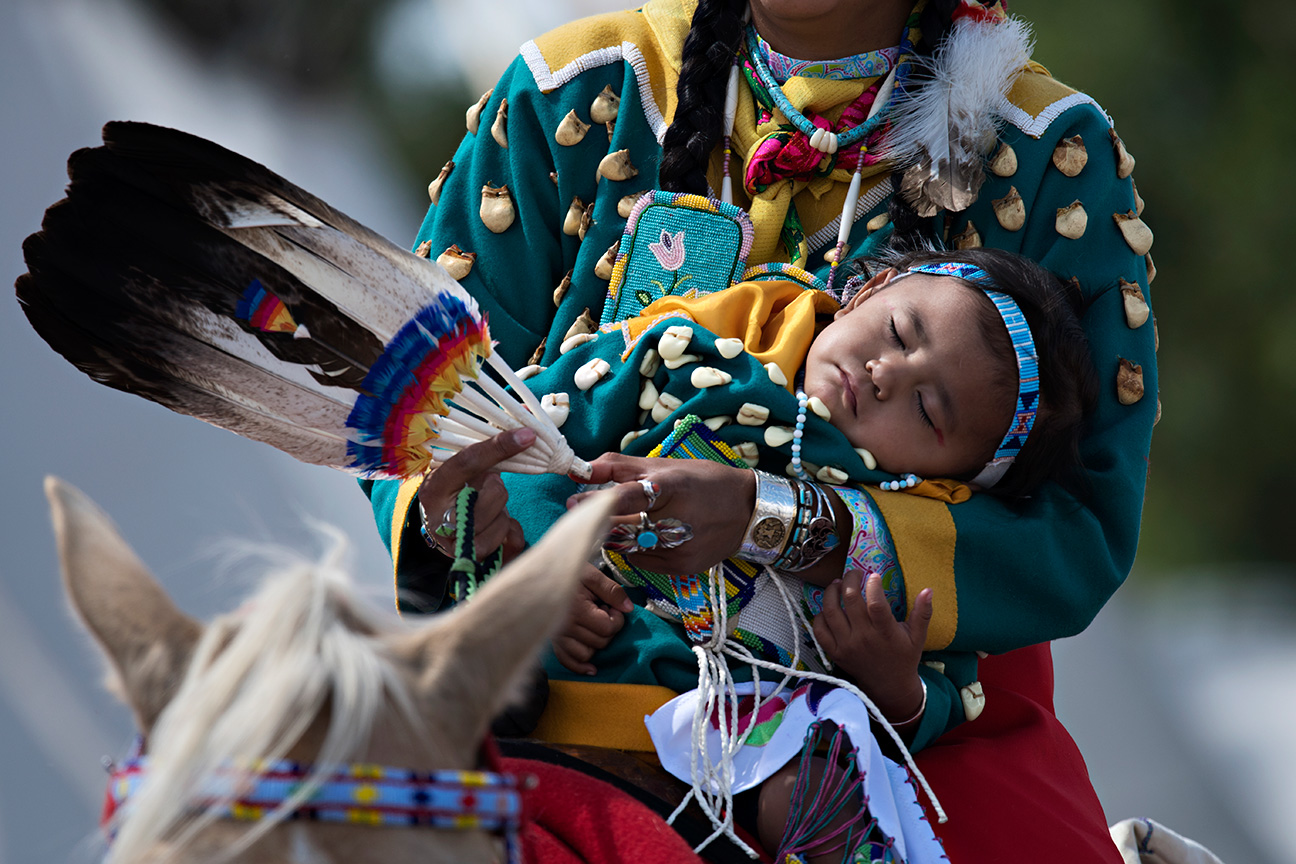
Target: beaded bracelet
[772, 518]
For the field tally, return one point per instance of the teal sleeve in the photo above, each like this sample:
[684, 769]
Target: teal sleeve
[944, 701]
[1042, 570]
[517, 271]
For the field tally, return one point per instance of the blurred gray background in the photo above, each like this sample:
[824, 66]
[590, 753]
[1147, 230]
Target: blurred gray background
[1178, 695]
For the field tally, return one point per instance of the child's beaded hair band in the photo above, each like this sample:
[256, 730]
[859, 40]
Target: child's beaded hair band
[1027, 364]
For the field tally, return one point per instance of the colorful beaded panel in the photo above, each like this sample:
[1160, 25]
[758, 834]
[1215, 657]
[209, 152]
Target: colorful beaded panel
[676, 244]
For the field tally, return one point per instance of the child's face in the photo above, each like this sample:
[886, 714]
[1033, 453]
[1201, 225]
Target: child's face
[906, 375]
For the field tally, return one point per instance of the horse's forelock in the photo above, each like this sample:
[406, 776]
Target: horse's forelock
[259, 678]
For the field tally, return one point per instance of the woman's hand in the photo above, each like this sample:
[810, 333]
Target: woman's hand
[714, 500]
[474, 466]
[861, 636]
[597, 614]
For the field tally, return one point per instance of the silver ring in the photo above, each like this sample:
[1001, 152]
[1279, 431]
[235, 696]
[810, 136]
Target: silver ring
[647, 535]
[651, 491]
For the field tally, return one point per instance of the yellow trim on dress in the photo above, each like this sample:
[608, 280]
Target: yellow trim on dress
[590, 714]
[925, 549]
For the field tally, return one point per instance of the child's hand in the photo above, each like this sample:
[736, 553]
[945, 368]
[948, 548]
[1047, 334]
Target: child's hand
[860, 635]
[597, 614]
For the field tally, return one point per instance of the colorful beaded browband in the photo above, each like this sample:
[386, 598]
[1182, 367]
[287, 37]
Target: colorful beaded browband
[1027, 365]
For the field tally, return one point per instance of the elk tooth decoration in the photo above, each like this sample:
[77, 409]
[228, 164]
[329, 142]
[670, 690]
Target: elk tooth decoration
[586, 220]
[1010, 210]
[474, 111]
[674, 342]
[1070, 156]
[617, 166]
[748, 452]
[496, 208]
[603, 267]
[751, 414]
[1004, 161]
[591, 373]
[605, 106]
[457, 262]
[561, 291]
[557, 407]
[681, 360]
[870, 461]
[625, 206]
[973, 697]
[648, 396]
[584, 323]
[1129, 382]
[538, 354]
[665, 405]
[1138, 199]
[832, 476]
[424, 249]
[1136, 305]
[499, 129]
[572, 221]
[968, 238]
[530, 371]
[1124, 161]
[650, 363]
[729, 348]
[630, 436]
[434, 188]
[1072, 220]
[775, 373]
[815, 404]
[1151, 268]
[709, 376]
[292, 324]
[571, 130]
[1135, 231]
[715, 424]
[576, 339]
[878, 222]
[777, 436]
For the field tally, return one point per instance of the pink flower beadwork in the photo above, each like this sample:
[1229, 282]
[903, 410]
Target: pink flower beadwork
[669, 251]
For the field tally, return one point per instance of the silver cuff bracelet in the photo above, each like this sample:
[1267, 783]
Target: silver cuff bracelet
[771, 520]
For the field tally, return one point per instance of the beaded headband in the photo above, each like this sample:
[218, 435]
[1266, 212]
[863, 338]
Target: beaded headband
[1027, 365]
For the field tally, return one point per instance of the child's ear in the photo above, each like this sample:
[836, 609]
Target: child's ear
[876, 283]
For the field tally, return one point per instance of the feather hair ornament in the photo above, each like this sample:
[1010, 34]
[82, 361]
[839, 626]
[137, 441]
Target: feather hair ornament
[942, 131]
[187, 274]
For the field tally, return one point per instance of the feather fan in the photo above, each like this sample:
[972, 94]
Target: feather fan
[940, 133]
[184, 273]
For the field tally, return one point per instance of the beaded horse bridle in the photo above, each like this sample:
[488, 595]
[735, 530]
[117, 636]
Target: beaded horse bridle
[357, 794]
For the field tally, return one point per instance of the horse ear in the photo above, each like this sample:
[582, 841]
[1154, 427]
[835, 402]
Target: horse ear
[146, 639]
[477, 656]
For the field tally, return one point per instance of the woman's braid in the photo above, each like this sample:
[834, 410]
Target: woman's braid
[699, 112]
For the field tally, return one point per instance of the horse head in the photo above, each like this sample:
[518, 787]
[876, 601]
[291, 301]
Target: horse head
[304, 673]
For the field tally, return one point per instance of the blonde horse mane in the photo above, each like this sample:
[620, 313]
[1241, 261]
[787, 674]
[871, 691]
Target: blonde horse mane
[304, 644]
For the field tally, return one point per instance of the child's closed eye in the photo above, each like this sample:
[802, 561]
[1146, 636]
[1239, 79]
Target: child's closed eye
[895, 334]
[922, 411]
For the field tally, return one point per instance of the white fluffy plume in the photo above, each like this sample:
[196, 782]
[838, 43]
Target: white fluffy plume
[941, 133]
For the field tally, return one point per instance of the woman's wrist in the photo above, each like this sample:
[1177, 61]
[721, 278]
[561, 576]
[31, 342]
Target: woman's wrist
[900, 716]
